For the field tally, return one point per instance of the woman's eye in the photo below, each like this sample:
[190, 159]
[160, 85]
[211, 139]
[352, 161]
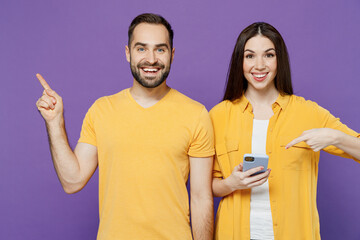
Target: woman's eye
[249, 56]
[269, 55]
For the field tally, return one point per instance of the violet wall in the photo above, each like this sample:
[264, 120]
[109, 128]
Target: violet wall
[78, 46]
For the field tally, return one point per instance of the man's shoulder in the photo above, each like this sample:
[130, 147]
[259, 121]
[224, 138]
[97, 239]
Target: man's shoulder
[111, 98]
[181, 99]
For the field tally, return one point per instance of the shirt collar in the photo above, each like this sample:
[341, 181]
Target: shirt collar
[282, 101]
[244, 103]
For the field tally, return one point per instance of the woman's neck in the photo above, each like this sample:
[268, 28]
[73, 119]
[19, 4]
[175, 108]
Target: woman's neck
[261, 102]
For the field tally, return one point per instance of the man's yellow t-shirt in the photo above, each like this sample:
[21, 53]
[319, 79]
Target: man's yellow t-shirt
[143, 159]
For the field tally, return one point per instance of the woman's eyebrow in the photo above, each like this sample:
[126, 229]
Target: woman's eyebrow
[267, 50]
[270, 49]
[248, 50]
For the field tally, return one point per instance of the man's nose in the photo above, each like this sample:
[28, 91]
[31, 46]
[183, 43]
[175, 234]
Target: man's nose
[151, 57]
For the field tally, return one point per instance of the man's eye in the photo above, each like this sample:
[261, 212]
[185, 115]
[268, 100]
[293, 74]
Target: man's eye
[141, 49]
[160, 50]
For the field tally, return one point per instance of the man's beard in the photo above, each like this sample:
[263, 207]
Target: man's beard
[149, 82]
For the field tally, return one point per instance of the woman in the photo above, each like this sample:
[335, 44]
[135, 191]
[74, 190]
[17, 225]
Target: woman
[261, 115]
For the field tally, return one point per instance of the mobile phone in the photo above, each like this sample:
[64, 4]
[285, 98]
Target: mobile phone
[255, 160]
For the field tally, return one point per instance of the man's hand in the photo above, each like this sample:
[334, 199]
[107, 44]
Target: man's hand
[50, 104]
[317, 138]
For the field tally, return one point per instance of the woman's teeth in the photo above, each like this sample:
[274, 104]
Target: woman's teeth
[259, 75]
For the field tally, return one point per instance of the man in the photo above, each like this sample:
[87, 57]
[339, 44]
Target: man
[145, 140]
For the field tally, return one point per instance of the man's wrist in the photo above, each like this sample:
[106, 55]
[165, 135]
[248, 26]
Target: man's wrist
[55, 125]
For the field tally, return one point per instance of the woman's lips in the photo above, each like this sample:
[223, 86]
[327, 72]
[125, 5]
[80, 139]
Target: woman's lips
[259, 76]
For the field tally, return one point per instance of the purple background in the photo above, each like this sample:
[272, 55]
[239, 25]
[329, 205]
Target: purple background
[78, 46]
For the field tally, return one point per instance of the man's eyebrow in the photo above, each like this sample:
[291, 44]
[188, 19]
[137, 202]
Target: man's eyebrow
[156, 45]
[140, 44]
[162, 45]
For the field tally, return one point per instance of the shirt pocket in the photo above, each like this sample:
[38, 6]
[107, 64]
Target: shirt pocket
[298, 157]
[224, 154]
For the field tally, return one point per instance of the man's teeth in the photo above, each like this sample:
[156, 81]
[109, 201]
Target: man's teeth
[150, 70]
[259, 75]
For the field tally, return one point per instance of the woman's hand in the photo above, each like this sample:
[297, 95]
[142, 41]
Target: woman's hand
[239, 180]
[243, 180]
[318, 138]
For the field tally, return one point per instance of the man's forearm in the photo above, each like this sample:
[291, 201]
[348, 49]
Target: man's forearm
[65, 162]
[202, 218]
[50, 106]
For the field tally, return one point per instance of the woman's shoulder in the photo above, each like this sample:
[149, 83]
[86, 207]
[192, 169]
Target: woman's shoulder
[302, 102]
[224, 106]
[300, 105]
[225, 112]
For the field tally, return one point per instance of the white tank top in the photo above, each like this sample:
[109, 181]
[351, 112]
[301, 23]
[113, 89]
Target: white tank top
[261, 226]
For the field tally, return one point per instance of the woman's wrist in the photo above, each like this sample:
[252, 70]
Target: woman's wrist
[229, 183]
[338, 137]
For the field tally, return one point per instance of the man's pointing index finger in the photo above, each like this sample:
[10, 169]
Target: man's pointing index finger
[43, 82]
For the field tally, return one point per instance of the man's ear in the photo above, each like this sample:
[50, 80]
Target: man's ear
[172, 55]
[127, 53]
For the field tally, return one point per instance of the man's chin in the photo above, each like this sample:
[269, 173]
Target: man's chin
[151, 79]
[150, 83]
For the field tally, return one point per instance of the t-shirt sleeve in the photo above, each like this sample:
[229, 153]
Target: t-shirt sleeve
[87, 134]
[218, 116]
[329, 121]
[202, 144]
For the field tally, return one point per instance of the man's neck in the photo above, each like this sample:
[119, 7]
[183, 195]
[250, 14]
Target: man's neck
[147, 97]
